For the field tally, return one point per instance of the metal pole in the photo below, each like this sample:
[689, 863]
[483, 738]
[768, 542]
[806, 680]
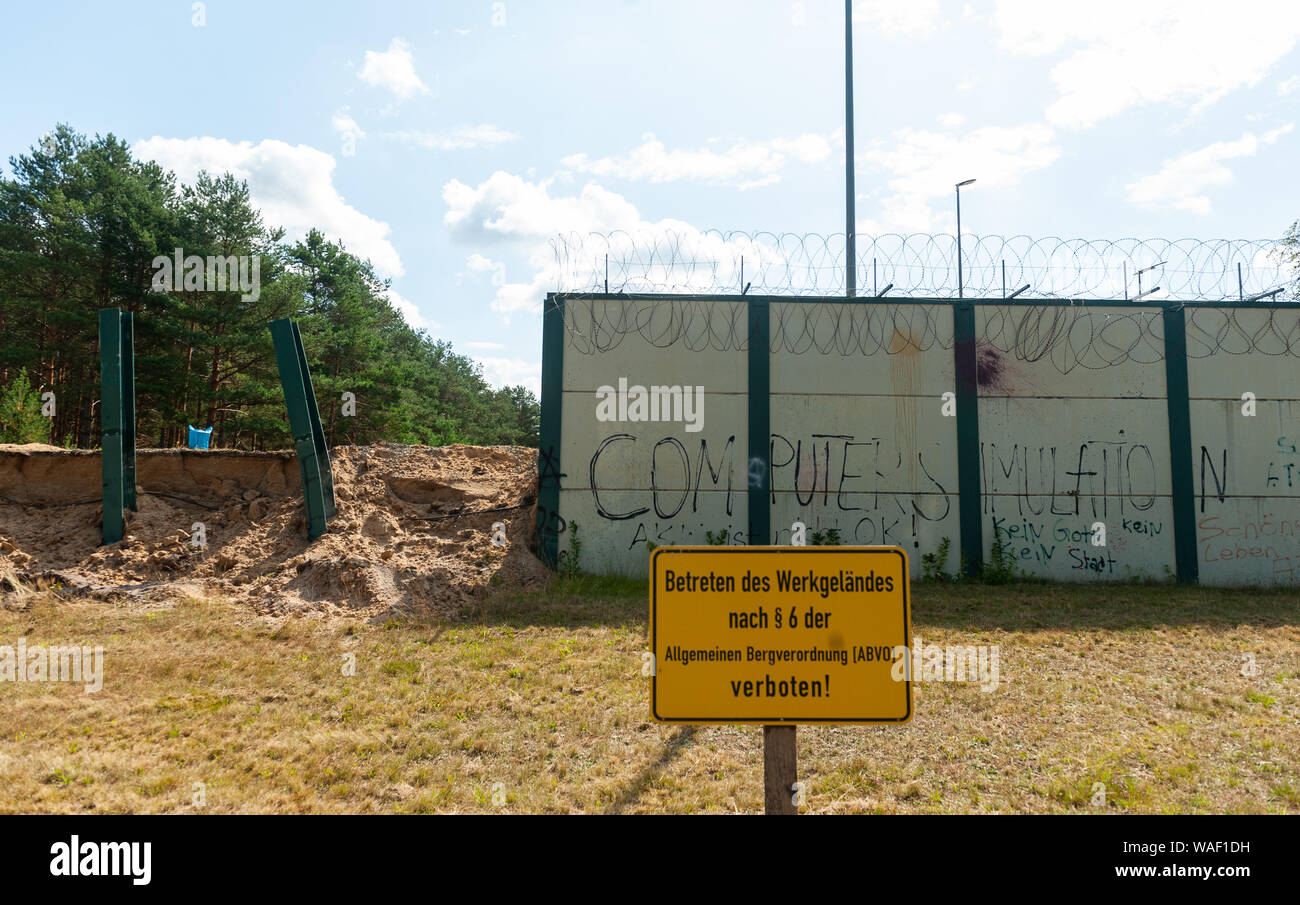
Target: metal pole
[110, 420]
[317, 429]
[128, 411]
[292, 379]
[959, 273]
[850, 217]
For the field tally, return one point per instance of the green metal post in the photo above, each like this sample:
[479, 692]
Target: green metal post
[304, 444]
[759, 457]
[317, 430]
[128, 411]
[110, 417]
[1180, 444]
[549, 475]
[969, 504]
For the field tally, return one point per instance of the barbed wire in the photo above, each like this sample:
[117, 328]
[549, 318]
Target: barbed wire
[599, 325]
[925, 266]
[1068, 336]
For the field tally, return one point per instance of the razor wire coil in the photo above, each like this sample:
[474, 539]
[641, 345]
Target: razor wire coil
[923, 266]
[678, 266]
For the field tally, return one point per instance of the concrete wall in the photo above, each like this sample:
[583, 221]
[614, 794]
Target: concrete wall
[1073, 431]
[1247, 469]
[630, 482]
[859, 441]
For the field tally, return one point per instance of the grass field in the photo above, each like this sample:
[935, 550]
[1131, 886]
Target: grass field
[537, 704]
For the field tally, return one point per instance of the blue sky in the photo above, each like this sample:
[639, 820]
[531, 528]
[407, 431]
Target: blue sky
[447, 142]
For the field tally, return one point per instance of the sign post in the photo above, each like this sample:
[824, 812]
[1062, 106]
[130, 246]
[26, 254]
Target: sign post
[778, 636]
[780, 769]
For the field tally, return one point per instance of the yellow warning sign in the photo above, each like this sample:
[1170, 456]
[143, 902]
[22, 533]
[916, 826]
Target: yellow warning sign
[780, 635]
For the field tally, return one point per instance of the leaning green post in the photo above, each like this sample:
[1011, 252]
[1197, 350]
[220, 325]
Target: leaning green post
[128, 411]
[317, 431]
[304, 444]
[110, 416]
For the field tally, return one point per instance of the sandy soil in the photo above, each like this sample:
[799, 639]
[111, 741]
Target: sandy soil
[413, 533]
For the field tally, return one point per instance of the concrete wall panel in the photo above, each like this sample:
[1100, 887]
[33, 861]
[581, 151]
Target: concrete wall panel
[862, 444]
[658, 454]
[1139, 544]
[1055, 351]
[1073, 428]
[903, 350]
[618, 547]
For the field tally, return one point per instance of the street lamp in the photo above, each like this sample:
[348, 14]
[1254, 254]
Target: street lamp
[850, 202]
[959, 273]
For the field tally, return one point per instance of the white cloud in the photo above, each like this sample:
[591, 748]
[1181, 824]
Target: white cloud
[925, 165]
[511, 210]
[293, 186]
[508, 207]
[485, 346]
[348, 131]
[1121, 55]
[745, 163]
[1290, 86]
[479, 264]
[1181, 182]
[899, 18]
[458, 139]
[504, 372]
[807, 148]
[410, 312]
[394, 70]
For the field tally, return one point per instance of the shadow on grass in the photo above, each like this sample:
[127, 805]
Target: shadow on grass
[591, 600]
[588, 600]
[637, 787]
[1030, 606]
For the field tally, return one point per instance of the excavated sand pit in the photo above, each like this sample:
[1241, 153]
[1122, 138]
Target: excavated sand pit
[413, 533]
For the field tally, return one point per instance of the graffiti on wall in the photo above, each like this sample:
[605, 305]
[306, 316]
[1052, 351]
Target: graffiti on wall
[868, 454]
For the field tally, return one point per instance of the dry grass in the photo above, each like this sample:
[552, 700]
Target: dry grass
[1135, 687]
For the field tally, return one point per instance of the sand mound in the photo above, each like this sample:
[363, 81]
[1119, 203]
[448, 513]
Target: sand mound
[413, 533]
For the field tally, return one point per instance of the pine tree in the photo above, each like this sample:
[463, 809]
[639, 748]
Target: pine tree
[21, 420]
[81, 225]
